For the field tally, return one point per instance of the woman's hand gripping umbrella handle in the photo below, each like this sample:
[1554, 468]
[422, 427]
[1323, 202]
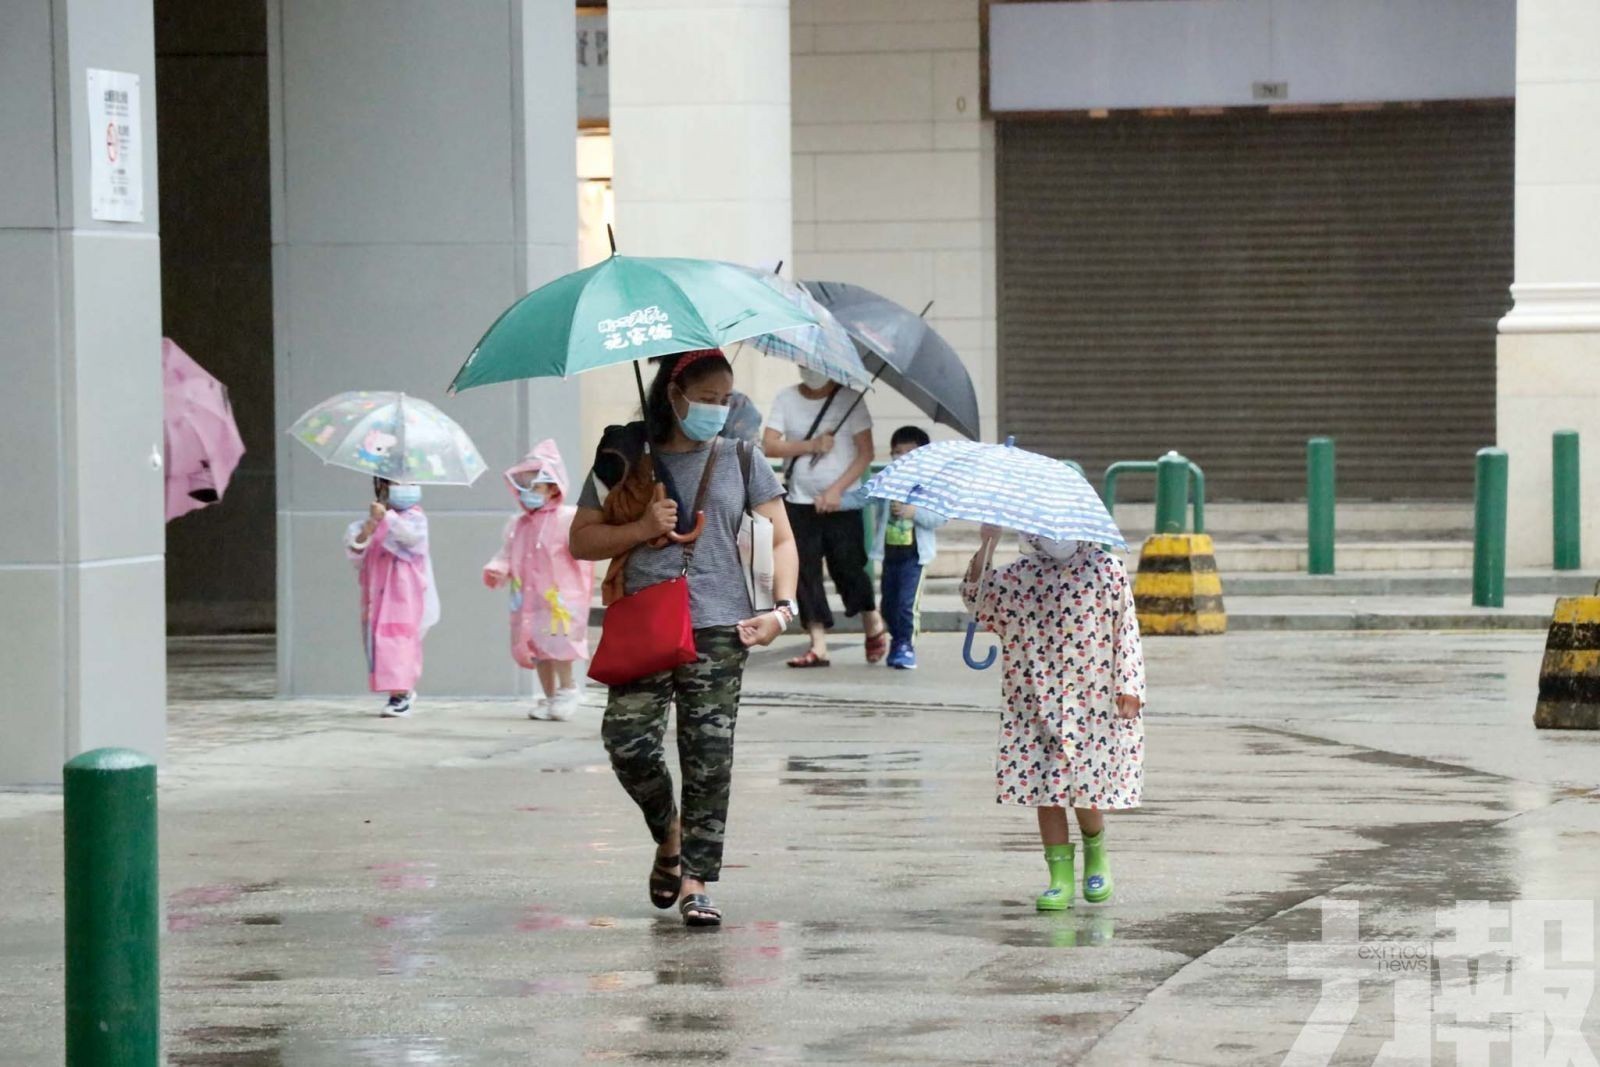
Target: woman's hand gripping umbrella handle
[666, 517]
[991, 536]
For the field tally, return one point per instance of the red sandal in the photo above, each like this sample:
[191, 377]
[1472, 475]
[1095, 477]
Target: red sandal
[810, 659]
[878, 646]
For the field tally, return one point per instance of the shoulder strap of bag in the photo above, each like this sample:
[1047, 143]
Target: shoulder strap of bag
[700, 497]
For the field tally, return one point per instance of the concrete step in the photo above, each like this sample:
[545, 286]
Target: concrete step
[1237, 557]
[1456, 583]
[1245, 557]
[1302, 614]
[942, 612]
[1395, 520]
[1361, 521]
[1271, 538]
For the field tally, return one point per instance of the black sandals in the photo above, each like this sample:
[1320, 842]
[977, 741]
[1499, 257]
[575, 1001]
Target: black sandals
[665, 881]
[698, 910]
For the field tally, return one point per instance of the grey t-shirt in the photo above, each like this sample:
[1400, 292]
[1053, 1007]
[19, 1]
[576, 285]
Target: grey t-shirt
[717, 594]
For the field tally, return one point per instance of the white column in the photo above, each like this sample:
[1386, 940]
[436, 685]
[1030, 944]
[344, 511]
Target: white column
[894, 173]
[700, 130]
[82, 599]
[424, 165]
[1549, 351]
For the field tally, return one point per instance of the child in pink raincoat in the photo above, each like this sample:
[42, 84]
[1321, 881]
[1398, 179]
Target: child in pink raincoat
[550, 590]
[398, 600]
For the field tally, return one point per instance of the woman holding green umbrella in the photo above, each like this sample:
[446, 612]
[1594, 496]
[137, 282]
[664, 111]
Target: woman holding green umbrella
[685, 411]
[635, 512]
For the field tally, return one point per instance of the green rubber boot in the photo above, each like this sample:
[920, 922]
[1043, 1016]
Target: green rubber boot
[1096, 869]
[1059, 896]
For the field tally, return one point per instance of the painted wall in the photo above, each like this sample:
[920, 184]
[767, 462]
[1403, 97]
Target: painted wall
[894, 171]
[412, 202]
[1241, 53]
[700, 132]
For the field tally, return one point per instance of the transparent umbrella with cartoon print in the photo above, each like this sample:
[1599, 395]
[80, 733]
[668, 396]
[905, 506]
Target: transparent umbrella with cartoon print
[391, 436]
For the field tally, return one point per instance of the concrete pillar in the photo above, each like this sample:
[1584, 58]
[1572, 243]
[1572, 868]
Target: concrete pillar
[1549, 351]
[700, 132]
[423, 179]
[81, 574]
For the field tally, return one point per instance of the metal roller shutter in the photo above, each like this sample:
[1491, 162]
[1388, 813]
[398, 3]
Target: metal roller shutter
[1230, 285]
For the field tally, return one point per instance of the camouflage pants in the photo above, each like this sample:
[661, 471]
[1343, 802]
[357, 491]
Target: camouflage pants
[707, 695]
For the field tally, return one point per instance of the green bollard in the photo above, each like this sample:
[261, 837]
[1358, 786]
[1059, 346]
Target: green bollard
[1197, 490]
[1108, 492]
[113, 909]
[1172, 493]
[1489, 530]
[1564, 488]
[1320, 503]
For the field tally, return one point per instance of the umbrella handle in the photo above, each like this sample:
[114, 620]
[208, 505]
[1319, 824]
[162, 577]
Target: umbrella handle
[972, 626]
[693, 534]
[966, 651]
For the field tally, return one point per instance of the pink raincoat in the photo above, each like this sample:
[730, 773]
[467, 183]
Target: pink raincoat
[398, 600]
[550, 591]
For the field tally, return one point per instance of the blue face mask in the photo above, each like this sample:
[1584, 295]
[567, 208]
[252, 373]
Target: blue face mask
[704, 421]
[402, 497]
[532, 499]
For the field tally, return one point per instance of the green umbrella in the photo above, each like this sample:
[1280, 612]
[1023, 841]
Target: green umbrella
[622, 310]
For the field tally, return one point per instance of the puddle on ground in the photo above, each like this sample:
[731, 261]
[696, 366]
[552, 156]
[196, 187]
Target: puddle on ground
[877, 788]
[230, 1046]
[254, 976]
[842, 762]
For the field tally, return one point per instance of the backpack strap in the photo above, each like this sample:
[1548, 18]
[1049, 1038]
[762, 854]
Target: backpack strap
[746, 459]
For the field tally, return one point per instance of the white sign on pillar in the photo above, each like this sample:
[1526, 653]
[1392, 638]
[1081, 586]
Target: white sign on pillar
[116, 172]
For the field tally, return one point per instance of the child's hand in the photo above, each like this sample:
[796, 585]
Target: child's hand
[376, 512]
[493, 576]
[1128, 706]
[991, 534]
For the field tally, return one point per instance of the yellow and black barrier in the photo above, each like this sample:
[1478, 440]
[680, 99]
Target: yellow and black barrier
[1569, 678]
[1178, 589]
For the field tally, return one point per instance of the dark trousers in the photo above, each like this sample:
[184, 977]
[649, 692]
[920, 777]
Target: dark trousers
[902, 581]
[635, 725]
[835, 538]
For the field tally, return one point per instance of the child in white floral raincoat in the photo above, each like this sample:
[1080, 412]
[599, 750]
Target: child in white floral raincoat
[1071, 731]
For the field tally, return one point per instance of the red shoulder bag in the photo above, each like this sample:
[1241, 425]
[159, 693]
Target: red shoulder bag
[651, 631]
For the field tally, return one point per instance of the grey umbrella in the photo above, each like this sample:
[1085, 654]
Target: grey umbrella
[902, 350]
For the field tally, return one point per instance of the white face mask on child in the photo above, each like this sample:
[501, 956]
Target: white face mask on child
[1060, 551]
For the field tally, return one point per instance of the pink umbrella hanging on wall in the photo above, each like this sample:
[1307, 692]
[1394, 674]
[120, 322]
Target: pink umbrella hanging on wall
[203, 442]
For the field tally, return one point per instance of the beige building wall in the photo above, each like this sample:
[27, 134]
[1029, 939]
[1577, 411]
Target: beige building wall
[1549, 354]
[894, 171]
[700, 140]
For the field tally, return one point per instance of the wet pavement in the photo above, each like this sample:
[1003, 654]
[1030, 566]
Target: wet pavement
[468, 887]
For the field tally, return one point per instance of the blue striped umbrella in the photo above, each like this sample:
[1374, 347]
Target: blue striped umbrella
[825, 347]
[1002, 485]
